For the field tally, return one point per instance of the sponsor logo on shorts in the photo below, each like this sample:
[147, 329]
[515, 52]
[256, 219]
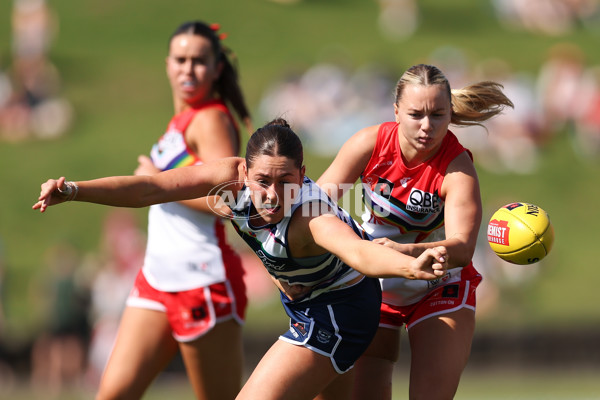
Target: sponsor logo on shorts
[300, 327]
[192, 266]
[323, 336]
[450, 291]
[434, 282]
[198, 313]
[441, 303]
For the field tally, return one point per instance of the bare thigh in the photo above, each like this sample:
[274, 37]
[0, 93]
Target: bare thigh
[440, 348]
[374, 369]
[214, 362]
[340, 388]
[144, 346]
[290, 372]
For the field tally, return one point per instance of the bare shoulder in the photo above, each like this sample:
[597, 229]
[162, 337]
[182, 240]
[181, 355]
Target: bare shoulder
[211, 115]
[366, 137]
[462, 163]
[461, 176]
[212, 128]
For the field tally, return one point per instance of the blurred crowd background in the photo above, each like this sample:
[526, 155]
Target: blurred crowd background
[330, 101]
[31, 102]
[60, 302]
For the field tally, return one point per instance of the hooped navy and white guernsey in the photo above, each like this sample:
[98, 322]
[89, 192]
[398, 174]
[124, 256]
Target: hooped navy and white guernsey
[270, 243]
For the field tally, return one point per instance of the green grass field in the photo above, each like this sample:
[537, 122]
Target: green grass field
[495, 385]
[111, 58]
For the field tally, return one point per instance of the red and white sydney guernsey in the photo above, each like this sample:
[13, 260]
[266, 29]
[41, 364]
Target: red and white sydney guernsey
[185, 247]
[404, 204]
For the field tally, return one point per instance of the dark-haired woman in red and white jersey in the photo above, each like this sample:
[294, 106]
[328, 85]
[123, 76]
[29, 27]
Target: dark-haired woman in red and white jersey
[189, 295]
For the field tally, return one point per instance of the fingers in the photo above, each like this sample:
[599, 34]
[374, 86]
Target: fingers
[439, 270]
[145, 166]
[50, 186]
[47, 189]
[384, 242]
[433, 263]
[380, 240]
[439, 253]
[145, 161]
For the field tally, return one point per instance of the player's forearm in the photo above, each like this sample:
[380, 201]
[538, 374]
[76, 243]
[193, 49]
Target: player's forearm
[210, 205]
[171, 185]
[379, 261]
[118, 191]
[460, 251]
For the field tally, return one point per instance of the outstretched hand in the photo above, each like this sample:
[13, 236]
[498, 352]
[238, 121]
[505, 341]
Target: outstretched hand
[431, 264]
[50, 195]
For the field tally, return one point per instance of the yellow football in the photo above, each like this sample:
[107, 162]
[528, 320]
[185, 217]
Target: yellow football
[520, 233]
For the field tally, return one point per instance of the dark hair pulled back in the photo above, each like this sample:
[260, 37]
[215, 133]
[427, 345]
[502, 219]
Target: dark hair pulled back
[227, 86]
[275, 139]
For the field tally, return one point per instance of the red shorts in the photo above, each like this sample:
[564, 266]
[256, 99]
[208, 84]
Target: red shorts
[443, 299]
[192, 313]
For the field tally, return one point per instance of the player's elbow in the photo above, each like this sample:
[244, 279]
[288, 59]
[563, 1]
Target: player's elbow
[461, 249]
[462, 256]
[357, 258]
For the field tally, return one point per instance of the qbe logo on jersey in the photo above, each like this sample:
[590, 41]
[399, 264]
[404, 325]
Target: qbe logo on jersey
[423, 202]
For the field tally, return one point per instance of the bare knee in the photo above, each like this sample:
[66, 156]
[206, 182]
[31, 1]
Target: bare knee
[120, 385]
[214, 362]
[440, 349]
[112, 392]
[109, 394]
[374, 370]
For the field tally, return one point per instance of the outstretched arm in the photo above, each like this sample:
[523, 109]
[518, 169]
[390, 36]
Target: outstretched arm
[208, 204]
[373, 259]
[141, 191]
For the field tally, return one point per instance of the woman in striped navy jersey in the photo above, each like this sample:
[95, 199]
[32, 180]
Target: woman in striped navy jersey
[314, 251]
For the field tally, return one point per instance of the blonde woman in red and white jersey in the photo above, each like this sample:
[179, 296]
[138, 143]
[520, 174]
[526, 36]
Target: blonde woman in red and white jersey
[189, 295]
[420, 190]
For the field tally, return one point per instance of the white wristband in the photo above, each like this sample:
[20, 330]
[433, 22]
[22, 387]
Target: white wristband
[70, 192]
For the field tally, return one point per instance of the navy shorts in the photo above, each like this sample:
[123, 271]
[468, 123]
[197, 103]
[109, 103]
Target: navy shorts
[339, 324]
